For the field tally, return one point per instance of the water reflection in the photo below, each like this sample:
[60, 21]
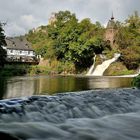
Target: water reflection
[38, 85]
[22, 86]
[50, 85]
[109, 82]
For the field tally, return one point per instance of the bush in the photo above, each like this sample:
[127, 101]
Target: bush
[136, 81]
[14, 70]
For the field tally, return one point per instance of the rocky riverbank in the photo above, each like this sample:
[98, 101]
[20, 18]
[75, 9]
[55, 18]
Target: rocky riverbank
[97, 114]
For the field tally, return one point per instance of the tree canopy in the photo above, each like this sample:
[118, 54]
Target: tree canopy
[128, 40]
[70, 40]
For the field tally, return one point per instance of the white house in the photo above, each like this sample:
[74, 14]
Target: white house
[19, 50]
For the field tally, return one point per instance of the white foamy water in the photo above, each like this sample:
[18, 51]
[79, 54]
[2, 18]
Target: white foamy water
[100, 69]
[91, 115]
[91, 68]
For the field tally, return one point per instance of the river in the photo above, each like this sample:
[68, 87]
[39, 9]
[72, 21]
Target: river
[48, 85]
[89, 115]
[100, 109]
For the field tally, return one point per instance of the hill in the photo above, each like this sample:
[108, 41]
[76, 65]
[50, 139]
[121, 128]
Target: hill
[70, 45]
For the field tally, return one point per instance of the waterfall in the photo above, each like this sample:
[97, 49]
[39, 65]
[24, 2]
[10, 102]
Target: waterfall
[99, 70]
[92, 67]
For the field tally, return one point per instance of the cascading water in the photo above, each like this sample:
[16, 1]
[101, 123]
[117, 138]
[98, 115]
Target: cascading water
[91, 68]
[88, 115]
[102, 67]
[99, 70]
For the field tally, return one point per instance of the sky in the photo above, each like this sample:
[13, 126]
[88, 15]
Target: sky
[24, 15]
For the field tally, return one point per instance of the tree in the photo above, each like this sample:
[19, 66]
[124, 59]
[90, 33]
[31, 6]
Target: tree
[2, 43]
[68, 40]
[76, 41]
[124, 37]
[131, 57]
[128, 40]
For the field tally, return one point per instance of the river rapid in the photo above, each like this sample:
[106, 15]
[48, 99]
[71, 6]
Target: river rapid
[111, 114]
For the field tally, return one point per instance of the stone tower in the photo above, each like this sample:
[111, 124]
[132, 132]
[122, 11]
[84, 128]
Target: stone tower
[111, 30]
[52, 19]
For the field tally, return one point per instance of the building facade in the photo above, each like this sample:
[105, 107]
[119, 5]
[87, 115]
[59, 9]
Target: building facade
[19, 50]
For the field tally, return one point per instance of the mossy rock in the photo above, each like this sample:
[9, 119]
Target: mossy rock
[118, 68]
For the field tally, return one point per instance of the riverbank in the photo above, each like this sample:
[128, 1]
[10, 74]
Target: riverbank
[20, 70]
[96, 114]
[23, 70]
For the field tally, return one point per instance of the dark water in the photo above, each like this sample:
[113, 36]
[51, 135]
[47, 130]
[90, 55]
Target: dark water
[48, 85]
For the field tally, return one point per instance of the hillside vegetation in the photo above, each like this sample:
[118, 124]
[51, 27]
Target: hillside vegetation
[75, 43]
[128, 41]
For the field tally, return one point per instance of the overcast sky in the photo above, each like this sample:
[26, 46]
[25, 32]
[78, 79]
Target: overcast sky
[22, 15]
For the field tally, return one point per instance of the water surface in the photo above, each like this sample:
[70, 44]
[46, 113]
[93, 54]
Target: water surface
[89, 115]
[48, 85]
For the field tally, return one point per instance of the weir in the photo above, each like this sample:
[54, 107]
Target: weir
[100, 69]
[87, 115]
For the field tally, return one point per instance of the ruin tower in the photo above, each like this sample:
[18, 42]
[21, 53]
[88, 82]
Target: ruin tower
[52, 19]
[111, 31]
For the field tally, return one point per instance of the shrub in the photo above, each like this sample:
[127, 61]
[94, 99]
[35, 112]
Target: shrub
[136, 81]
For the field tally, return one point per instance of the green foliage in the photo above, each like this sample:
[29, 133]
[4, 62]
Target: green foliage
[38, 70]
[41, 43]
[20, 70]
[118, 68]
[123, 37]
[2, 36]
[68, 40]
[131, 57]
[134, 21]
[2, 43]
[136, 81]
[14, 70]
[2, 56]
[74, 42]
[128, 40]
[65, 68]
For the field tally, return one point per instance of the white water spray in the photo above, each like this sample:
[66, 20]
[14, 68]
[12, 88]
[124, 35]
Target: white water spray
[99, 70]
[102, 67]
[91, 68]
